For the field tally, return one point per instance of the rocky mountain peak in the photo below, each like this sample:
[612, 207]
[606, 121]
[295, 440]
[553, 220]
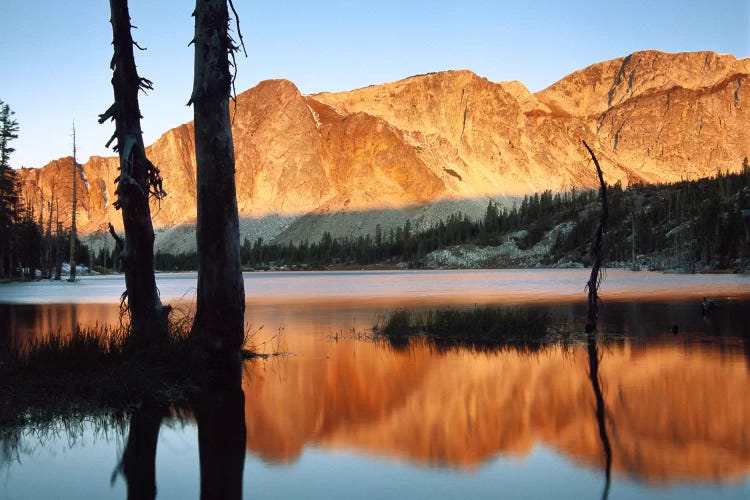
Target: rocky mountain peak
[429, 145]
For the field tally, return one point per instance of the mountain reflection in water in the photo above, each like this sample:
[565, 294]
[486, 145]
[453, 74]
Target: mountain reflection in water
[672, 412]
[675, 407]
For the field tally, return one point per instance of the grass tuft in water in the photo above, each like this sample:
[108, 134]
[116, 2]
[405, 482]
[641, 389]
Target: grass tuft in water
[480, 327]
[98, 371]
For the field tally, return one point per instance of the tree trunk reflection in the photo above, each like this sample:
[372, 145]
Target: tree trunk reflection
[600, 411]
[220, 414]
[221, 437]
[139, 457]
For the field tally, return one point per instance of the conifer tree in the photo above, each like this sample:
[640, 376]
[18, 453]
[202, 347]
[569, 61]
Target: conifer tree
[8, 188]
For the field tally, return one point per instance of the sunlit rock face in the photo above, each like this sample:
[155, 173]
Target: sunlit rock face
[389, 152]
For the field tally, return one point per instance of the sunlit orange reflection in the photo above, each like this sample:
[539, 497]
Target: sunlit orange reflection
[675, 410]
[672, 412]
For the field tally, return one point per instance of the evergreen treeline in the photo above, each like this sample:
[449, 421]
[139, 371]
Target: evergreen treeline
[27, 250]
[19, 233]
[689, 225]
[30, 246]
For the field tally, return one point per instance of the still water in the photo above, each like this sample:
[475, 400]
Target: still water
[341, 416]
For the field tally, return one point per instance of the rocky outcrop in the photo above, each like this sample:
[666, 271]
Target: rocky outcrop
[402, 150]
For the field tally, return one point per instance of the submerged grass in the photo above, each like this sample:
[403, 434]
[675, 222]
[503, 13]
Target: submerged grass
[90, 372]
[97, 371]
[479, 327]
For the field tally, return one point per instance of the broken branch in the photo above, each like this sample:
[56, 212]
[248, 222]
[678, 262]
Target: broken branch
[118, 239]
[109, 114]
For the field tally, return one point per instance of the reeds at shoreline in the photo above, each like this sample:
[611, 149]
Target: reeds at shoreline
[99, 371]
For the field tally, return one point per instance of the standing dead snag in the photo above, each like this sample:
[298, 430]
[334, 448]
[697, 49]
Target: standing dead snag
[138, 180]
[73, 235]
[220, 311]
[593, 312]
[595, 278]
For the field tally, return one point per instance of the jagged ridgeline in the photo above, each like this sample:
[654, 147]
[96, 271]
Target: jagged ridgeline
[432, 145]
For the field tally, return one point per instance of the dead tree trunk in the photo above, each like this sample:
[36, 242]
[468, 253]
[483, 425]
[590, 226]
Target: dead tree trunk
[49, 242]
[58, 238]
[594, 279]
[73, 236]
[746, 245]
[138, 180]
[219, 319]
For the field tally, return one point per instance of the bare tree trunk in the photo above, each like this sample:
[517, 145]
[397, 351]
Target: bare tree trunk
[593, 283]
[138, 179]
[58, 237]
[73, 216]
[219, 319]
[48, 238]
[632, 233]
[745, 246]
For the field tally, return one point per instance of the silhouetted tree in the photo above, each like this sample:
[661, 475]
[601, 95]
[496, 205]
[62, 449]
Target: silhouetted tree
[596, 251]
[220, 310]
[8, 189]
[73, 212]
[138, 180]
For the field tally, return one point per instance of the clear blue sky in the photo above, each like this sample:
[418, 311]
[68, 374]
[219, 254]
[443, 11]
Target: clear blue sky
[54, 55]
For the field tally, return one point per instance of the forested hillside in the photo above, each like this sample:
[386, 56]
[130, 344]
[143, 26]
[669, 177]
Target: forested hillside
[689, 225]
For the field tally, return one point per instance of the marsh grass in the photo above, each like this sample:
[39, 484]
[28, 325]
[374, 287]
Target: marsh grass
[98, 372]
[479, 328]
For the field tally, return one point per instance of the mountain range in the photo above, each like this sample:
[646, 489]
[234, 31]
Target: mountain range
[422, 148]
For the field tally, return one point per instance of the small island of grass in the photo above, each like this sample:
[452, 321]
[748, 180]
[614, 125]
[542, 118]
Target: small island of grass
[482, 327]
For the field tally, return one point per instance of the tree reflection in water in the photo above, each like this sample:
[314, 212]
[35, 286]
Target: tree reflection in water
[220, 414]
[138, 463]
[221, 439]
[593, 355]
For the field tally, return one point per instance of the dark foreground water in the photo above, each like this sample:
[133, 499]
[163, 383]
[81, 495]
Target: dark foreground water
[343, 417]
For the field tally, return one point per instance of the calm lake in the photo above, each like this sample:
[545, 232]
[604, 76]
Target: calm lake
[341, 416]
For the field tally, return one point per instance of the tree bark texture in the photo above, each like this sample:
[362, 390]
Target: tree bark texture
[219, 320]
[593, 283]
[137, 180]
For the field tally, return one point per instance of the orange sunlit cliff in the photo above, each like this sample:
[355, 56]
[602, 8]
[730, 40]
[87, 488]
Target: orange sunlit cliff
[347, 161]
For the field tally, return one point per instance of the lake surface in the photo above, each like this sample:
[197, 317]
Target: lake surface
[344, 417]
